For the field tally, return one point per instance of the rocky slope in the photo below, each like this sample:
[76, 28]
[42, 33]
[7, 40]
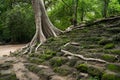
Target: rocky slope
[91, 52]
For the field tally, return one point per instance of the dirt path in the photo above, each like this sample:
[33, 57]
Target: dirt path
[6, 49]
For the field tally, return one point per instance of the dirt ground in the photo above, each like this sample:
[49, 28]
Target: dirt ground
[6, 49]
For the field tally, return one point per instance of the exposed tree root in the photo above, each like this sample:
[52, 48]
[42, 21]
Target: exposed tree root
[95, 22]
[114, 25]
[82, 57]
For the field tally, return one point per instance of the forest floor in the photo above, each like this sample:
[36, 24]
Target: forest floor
[87, 53]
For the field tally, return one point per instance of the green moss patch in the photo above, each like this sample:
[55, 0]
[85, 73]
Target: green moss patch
[35, 60]
[94, 71]
[57, 61]
[109, 46]
[116, 38]
[82, 67]
[110, 76]
[8, 77]
[104, 41]
[108, 57]
[116, 51]
[113, 67]
[63, 70]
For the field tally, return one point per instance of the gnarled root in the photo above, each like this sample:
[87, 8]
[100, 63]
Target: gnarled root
[82, 57]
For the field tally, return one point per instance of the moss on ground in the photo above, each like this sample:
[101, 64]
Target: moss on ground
[8, 77]
[110, 76]
[109, 46]
[104, 41]
[108, 57]
[113, 67]
[57, 61]
[63, 70]
[82, 67]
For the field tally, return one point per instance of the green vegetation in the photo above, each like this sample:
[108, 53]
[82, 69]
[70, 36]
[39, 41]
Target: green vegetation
[17, 18]
[109, 46]
[115, 52]
[104, 41]
[108, 57]
[110, 76]
[114, 67]
[82, 67]
[57, 61]
[8, 77]
[64, 70]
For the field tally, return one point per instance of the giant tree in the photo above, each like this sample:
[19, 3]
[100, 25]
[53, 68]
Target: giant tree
[44, 27]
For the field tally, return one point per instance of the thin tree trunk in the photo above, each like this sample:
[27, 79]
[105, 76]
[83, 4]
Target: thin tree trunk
[75, 12]
[105, 7]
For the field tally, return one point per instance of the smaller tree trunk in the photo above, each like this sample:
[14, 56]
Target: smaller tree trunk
[105, 8]
[75, 12]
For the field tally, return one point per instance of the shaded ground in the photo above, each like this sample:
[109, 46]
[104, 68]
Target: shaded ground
[6, 49]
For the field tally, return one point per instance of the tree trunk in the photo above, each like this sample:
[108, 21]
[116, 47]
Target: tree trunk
[75, 12]
[44, 27]
[105, 7]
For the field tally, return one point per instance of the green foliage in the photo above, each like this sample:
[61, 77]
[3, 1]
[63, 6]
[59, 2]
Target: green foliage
[18, 24]
[109, 46]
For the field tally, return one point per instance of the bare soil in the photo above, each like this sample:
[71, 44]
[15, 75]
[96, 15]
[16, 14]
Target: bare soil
[6, 49]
